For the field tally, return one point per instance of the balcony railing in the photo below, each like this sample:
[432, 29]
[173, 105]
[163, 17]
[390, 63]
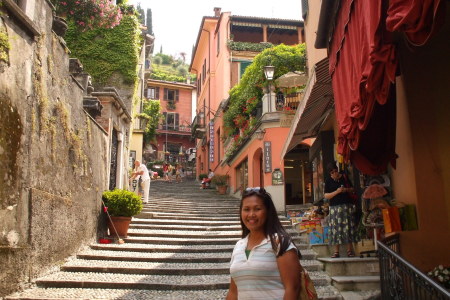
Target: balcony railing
[181, 128]
[402, 281]
[139, 124]
[288, 102]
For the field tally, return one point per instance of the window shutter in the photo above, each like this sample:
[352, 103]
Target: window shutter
[177, 117]
[165, 120]
[166, 93]
[177, 97]
[148, 93]
[157, 93]
[243, 66]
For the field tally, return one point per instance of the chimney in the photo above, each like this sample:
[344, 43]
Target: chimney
[217, 11]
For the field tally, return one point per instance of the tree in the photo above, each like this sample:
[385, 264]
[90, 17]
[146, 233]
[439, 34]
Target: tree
[141, 14]
[183, 56]
[152, 113]
[149, 21]
[160, 50]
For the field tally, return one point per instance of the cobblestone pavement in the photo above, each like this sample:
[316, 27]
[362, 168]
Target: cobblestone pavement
[179, 247]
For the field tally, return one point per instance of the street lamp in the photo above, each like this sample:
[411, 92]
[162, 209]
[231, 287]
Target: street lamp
[260, 133]
[269, 71]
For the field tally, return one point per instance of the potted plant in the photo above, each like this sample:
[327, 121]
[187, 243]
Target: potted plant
[221, 181]
[121, 206]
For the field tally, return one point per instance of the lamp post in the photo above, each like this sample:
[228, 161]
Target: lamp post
[269, 71]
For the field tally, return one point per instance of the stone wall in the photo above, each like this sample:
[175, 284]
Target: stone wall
[53, 155]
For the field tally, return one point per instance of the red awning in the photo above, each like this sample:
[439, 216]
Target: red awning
[419, 19]
[362, 67]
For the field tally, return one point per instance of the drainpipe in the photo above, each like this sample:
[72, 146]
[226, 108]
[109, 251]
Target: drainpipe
[209, 91]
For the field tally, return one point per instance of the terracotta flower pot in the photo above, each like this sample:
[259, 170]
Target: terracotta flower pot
[222, 189]
[121, 225]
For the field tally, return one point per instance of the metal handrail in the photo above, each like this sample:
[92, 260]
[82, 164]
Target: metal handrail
[402, 281]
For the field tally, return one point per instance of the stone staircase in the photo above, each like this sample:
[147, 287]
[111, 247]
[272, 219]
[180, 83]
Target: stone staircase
[179, 247]
[356, 278]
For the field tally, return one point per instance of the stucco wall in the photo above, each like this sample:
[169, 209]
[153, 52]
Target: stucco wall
[52, 156]
[423, 143]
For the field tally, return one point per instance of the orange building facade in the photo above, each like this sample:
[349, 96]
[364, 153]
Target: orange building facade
[219, 66]
[174, 133]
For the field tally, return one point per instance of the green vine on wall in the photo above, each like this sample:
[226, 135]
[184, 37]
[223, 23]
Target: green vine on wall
[104, 52]
[4, 46]
[247, 46]
[246, 96]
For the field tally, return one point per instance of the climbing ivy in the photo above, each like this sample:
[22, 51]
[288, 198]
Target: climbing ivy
[246, 96]
[4, 46]
[247, 46]
[152, 113]
[104, 52]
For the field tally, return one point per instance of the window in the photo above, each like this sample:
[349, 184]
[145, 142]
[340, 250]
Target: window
[171, 95]
[204, 71]
[171, 121]
[153, 92]
[243, 66]
[218, 43]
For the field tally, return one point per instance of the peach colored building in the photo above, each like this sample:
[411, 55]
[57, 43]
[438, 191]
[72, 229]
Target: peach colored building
[219, 60]
[174, 134]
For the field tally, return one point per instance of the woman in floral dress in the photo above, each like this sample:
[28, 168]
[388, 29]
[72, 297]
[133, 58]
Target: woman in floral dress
[342, 210]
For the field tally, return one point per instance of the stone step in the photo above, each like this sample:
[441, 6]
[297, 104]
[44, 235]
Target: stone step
[356, 283]
[204, 227]
[324, 293]
[167, 267]
[354, 266]
[168, 221]
[199, 241]
[147, 268]
[225, 256]
[157, 247]
[167, 257]
[139, 281]
[181, 232]
[123, 294]
[134, 281]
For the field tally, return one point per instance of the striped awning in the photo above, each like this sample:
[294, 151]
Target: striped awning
[317, 103]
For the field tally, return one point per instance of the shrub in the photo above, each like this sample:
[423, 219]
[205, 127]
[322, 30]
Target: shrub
[201, 176]
[122, 203]
[220, 180]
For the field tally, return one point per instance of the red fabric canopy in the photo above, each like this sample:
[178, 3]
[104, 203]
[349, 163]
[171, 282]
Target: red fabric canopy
[362, 66]
[419, 19]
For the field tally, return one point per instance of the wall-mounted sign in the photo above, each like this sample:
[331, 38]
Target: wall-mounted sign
[277, 177]
[211, 141]
[267, 157]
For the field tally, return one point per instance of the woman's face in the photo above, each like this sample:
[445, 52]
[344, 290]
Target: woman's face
[253, 213]
[335, 174]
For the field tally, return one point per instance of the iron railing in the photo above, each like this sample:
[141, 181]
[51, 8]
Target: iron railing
[288, 102]
[402, 281]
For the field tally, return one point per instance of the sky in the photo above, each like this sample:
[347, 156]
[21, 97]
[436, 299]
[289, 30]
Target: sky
[176, 23]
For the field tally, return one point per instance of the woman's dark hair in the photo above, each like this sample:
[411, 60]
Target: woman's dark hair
[331, 166]
[272, 227]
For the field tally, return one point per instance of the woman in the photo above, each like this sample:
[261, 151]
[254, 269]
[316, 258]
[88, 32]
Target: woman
[342, 210]
[265, 262]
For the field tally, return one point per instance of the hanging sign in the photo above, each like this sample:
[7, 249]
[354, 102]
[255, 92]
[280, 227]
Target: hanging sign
[267, 157]
[277, 177]
[211, 141]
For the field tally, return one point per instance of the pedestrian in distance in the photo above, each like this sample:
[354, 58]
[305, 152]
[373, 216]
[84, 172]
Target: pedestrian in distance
[206, 181]
[342, 210]
[140, 170]
[178, 173]
[265, 262]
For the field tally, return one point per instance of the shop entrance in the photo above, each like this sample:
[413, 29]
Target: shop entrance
[298, 176]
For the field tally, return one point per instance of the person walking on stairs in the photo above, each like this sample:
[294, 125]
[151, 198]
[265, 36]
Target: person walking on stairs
[265, 262]
[142, 171]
